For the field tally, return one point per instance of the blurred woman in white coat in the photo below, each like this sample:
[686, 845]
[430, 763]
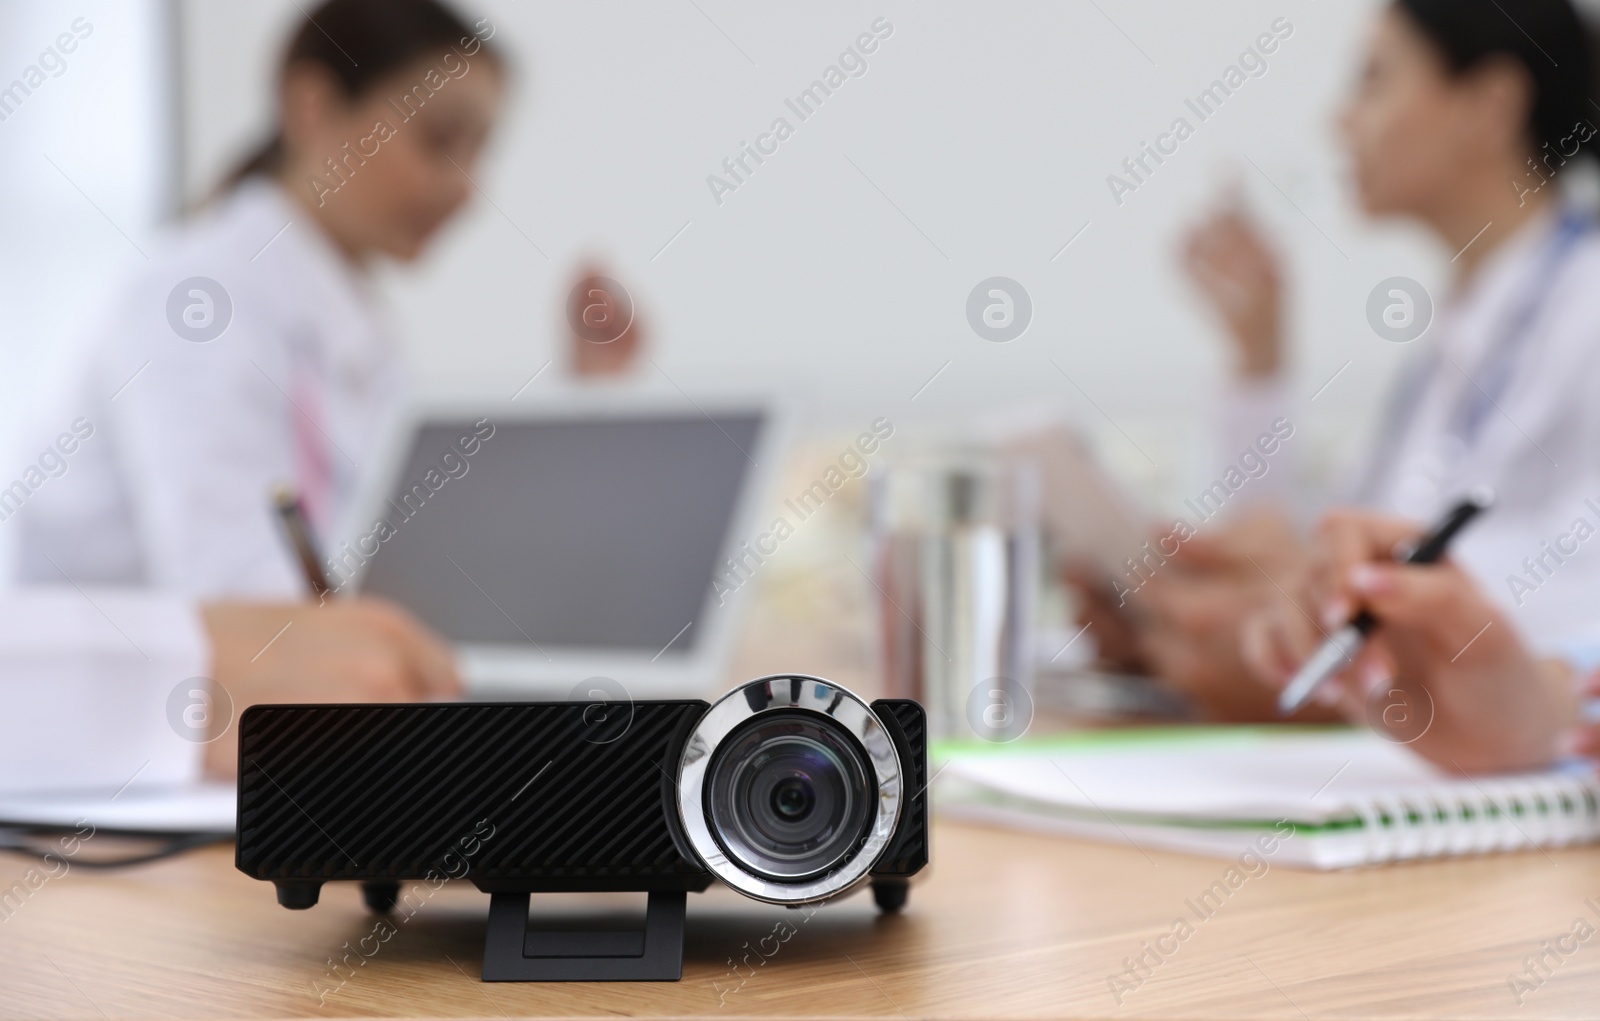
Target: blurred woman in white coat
[253, 352]
[1473, 120]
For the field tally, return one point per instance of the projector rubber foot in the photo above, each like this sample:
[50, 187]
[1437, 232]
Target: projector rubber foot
[380, 898]
[890, 894]
[512, 953]
[298, 894]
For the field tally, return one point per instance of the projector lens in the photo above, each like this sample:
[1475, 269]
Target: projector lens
[790, 794]
[789, 789]
[793, 798]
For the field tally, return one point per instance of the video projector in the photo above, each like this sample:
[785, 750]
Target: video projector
[790, 789]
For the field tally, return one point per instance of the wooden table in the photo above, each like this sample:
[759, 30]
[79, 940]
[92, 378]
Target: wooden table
[1003, 925]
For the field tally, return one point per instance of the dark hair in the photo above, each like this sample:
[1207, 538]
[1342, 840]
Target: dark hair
[359, 43]
[1548, 38]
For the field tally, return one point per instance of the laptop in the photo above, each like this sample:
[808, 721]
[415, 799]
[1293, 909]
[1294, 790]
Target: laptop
[575, 544]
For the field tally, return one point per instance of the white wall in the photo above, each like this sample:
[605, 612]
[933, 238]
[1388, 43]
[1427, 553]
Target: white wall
[87, 173]
[992, 127]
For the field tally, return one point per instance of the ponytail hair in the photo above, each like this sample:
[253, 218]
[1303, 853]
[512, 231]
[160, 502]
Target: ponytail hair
[359, 43]
[1547, 38]
[264, 161]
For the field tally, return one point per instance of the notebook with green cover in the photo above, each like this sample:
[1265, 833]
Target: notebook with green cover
[1328, 798]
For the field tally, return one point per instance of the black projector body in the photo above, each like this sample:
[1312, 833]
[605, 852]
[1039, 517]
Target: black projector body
[790, 789]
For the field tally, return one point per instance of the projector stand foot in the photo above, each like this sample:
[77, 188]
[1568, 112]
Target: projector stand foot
[890, 893]
[513, 953]
[380, 897]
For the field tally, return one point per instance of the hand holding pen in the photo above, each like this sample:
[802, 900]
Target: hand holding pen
[1440, 669]
[1353, 627]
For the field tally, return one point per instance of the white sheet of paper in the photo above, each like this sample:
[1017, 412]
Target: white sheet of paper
[1215, 776]
[201, 808]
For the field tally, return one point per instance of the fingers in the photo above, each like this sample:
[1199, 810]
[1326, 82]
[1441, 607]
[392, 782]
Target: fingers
[1274, 643]
[616, 351]
[1354, 687]
[1435, 602]
[1584, 741]
[1345, 539]
[1116, 637]
[1183, 604]
[1264, 650]
[1215, 550]
[1365, 535]
[1227, 249]
[1238, 274]
[1259, 538]
[1083, 576]
[343, 651]
[427, 663]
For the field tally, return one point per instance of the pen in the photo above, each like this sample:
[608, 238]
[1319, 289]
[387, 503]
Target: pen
[1340, 649]
[293, 515]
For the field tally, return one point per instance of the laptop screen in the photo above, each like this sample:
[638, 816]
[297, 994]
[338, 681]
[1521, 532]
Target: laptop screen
[572, 532]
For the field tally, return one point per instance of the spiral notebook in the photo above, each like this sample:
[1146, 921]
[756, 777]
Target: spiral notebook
[1320, 798]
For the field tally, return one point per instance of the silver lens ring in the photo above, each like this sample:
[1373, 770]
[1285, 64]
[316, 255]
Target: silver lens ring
[814, 703]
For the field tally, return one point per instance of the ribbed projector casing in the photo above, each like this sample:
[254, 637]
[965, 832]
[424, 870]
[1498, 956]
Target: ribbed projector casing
[536, 797]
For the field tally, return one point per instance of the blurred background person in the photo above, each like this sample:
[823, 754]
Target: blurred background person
[265, 359]
[251, 353]
[254, 351]
[1473, 123]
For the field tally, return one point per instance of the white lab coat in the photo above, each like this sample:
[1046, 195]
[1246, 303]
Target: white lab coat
[1538, 446]
[172, 490]
[86, 679]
